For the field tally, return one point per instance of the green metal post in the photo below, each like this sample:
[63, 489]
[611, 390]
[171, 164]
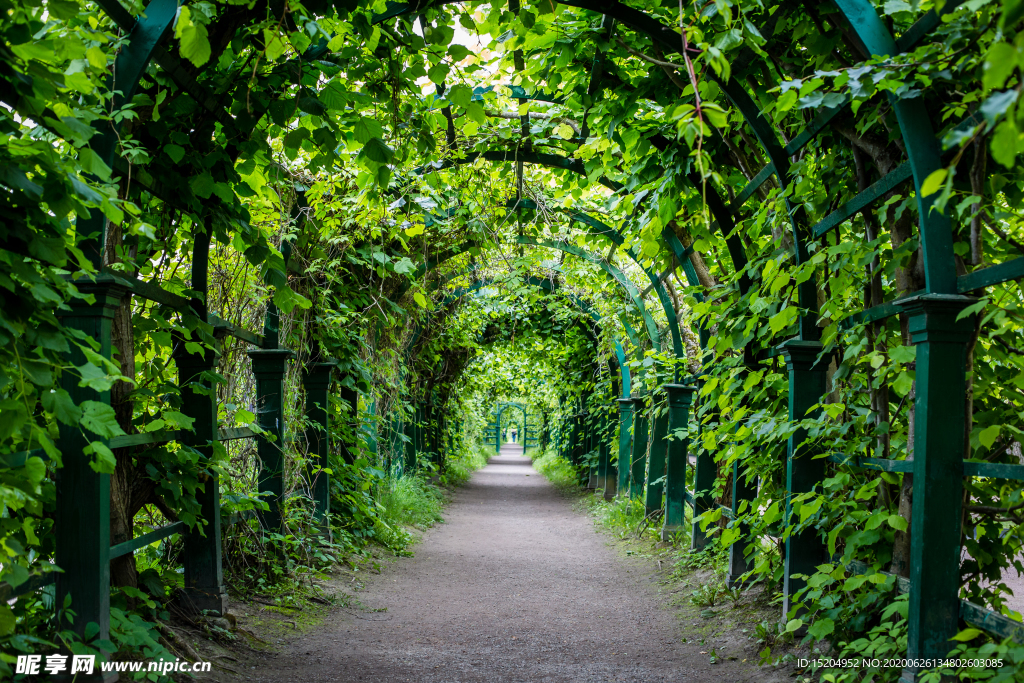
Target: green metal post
[83, 495]
[638, 462]
[704, 473]
[605, 480]
[804, 551]
[679, 399]
[268, 365]
[741, 560]
[936, 517]
[317, 381]
[625, 443]
[653, 490]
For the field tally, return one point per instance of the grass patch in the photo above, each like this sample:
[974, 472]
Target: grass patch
[557, 469]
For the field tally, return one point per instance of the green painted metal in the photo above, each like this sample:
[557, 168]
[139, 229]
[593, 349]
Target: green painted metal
[922, 148]
[994, 470]
[145, 539]
[680, 397]
[741, 559]
[654, 485]
[82, 519]
[704, 473]
[129, 66]
[993, 275]
[863, 200]
[750, 188]
[805, 550]
[936, 517]
[269, 367]
[638, 456]
[316, 380]
[626, 411]
[878, 464]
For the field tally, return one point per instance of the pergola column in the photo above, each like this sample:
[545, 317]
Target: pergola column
[679, 399]
[653, 490]
[316, 381]
[936, 517]
[625, 442]
[638, 462]
[269, 366]
[804, 550]
[83, 495]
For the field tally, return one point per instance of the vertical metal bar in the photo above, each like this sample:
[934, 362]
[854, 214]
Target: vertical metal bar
[704, 473]
[625, 442]
[804, 551]
[939, 425]
[268, 365]
[638, 461]
[740, 557]
[204, 572]
[83, 495]
[653, 490]
[679, 399]
[317, 381]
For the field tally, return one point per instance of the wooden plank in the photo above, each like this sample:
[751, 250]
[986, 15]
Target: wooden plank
[863, 200]
[751, 187]
[234, 433]
[993, 275]
[222, 327]
[145, 539]
[34, 583]
[130, 440]
[993, 622]
[994, 470]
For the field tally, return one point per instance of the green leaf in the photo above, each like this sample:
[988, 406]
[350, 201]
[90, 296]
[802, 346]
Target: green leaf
[821, 628]
[1004, 142]
[988, 436]
[100, 419]
[275, 46]
[105, 462]
[194, 40]
[459, 95]
[244, 416]
[794, 625]
[903, 383]
[91, 163]
[377, 151]
[420, 299]
[202, 185]
[63, 408]
[294, 139]
[366, 129]
[154, 426]
[438, 72]
[7, 620]
[934, 182]
[177, 419]
[175, 152]
[903, 354]
[1000, 61]
[967, 634]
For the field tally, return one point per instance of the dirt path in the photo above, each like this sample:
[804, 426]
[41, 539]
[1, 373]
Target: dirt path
[515, 586]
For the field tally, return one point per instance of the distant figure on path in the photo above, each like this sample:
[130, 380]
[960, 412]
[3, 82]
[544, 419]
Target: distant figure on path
[514, 434]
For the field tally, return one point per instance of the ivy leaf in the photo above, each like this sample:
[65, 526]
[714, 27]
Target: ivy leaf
[100, 419]
[404, 265]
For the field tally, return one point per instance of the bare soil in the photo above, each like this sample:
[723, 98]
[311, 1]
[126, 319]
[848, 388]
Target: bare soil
[515, 586]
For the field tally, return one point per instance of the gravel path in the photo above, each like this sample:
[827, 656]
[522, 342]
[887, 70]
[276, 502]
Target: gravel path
[515, 586]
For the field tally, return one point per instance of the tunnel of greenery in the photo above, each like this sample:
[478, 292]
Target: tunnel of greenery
[753, 264]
